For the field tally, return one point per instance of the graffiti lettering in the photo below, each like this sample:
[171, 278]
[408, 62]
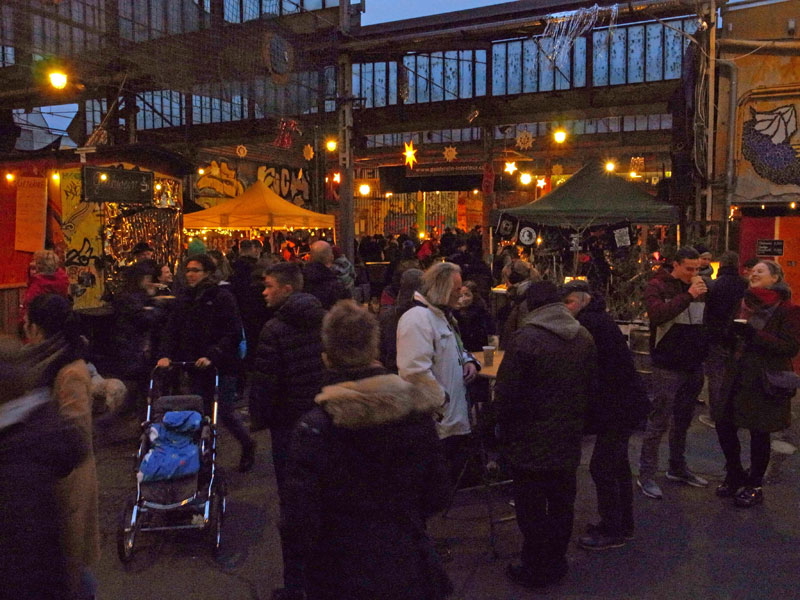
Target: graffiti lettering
[289, 184]
[82, 257]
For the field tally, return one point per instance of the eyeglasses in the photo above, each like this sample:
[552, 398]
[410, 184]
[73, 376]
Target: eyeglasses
[193, 270]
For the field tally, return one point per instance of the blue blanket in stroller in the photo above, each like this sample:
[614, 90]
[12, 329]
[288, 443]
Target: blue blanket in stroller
[173, 452]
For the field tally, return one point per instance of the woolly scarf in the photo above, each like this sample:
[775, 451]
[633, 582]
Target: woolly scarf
[758, 305]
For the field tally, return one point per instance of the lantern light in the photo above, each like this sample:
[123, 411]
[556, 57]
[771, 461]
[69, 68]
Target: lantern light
[58, 79]
[560, 136]
[475, 192]
[9, 177]
[331, 145]
[56, 176]
[337, 178]
[364, 189]
[103, 177]
[610, 166]
[525, 178]
[201, 171]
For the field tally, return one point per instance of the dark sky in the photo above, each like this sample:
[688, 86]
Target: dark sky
[380, 11]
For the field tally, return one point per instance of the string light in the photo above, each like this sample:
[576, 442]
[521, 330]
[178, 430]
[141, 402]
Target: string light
[560, 136]
[525, 178]
[610, 166]
[510, 168]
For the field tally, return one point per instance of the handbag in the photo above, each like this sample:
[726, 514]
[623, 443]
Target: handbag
[780, 385]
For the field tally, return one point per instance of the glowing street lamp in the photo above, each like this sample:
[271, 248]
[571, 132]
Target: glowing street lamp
[58, 79]
[525, 178]
[610, 166]
[560, 136]
[331, 145]
[364, 189]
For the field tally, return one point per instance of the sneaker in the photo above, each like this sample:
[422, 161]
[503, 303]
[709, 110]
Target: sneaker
[594, 529]
[687, 477]
[523, 576]
[600, 541]
[707, 421]
[748, 497]
[650, 488]
[728, 488]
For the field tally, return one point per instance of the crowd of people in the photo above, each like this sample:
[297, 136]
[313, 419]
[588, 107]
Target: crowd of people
[372, 416]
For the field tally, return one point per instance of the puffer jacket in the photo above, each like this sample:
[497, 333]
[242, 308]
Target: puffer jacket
[288, 365]
[542, 390]
[204, 322]
[427, 345]
[677, 335]
[366, 469]
[322, 282]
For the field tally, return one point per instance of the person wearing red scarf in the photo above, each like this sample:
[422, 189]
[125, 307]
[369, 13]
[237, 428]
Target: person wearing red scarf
[767, 337]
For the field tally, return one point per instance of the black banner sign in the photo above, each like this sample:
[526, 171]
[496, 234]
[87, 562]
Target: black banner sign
[105, 184]
[769, 248]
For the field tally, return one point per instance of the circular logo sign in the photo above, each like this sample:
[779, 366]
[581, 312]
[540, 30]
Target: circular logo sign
[527, 236]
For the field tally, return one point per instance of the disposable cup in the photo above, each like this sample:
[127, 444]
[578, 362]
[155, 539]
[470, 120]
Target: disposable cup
[488, 356]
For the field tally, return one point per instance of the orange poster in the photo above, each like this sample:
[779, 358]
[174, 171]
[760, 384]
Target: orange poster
[31, 215]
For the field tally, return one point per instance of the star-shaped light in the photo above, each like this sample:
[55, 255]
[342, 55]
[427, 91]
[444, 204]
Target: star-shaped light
[450, 153]
[410, 154]
[308, 152]
[540, 183]
[337, 178]
[510, 168]
[524, 140]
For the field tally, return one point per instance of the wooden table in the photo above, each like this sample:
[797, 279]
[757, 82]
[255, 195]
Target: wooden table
[490, 372]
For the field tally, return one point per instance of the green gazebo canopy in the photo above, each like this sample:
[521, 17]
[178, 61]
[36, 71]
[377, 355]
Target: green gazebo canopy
[592, 197]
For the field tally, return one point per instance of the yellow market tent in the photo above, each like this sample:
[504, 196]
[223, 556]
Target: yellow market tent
[257, 207]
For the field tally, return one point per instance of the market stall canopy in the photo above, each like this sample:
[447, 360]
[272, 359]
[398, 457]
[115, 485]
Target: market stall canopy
[258, 206]
[592, 197]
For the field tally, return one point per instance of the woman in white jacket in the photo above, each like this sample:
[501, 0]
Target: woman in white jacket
[429, 345]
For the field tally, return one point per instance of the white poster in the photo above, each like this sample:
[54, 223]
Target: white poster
[622, 237]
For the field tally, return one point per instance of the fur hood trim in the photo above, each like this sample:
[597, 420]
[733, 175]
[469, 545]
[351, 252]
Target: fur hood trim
[378, 400]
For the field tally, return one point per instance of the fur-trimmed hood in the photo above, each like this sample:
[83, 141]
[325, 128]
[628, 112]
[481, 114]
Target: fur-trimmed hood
[378, 400]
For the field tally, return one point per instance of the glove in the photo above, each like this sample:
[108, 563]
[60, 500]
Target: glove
[743, 330]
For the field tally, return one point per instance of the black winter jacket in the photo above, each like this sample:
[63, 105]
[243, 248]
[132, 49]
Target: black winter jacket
[288, 365]
[366, 469]
[252, 307]
[619, 400]
[475, 325]
[542, 389]
[204, 322]
[322, 282]
[35, 452]
[683, 346]
[722, 304]
[135, 323]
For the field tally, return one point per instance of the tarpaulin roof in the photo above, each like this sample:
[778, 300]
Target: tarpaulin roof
[593, 196]
[257, 206]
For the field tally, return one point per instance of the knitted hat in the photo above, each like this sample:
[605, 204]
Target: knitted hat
[196, 247]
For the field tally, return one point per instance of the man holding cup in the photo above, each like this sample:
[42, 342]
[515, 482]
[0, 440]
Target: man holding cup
[675, 300]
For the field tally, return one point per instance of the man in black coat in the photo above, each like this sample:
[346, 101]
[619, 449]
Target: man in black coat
[287, 375]
[247, 291]
[205, 328]
[618, 403]
[722, 304]
[542, 390]
[319, 280]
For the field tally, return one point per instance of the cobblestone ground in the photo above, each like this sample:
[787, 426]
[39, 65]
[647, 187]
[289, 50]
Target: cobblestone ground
[688, 545]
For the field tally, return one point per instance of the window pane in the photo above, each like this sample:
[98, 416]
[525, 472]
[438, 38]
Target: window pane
[437, 77]
[600, 58]
[618, 56]
[546, 66]
[579, 63]
[499, 69]
[530, 73]
[514, 71]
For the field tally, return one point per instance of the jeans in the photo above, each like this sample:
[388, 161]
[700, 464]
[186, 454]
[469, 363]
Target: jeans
[675, 394]
[545, 506]
[293, 571]
[611, 473]
[202, 383]
[732, 449]
[715, 371]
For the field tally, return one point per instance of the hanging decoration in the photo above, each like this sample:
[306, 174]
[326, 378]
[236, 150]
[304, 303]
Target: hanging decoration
[410, 154]
[524, 140]
[308, 152]
[557, 169]
[450, 153]
[241, 150]
[286, 129]
[565, 27]
[510, 168]
[637, 164]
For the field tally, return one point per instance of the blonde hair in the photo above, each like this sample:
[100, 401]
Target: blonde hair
[437, 282]
[350, 335]
[46, 262]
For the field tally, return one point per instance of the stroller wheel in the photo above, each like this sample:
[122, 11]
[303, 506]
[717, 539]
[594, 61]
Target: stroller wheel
[215, 521]
[129, 525]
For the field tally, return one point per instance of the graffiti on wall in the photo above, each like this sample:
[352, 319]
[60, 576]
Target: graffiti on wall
[767, 144]
[81, 225]
[289, 183]
[218, 182]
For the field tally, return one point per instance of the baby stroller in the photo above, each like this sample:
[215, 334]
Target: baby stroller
[178, 483]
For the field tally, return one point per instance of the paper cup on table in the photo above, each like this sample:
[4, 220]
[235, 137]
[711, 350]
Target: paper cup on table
[488, 356]
[740, 321]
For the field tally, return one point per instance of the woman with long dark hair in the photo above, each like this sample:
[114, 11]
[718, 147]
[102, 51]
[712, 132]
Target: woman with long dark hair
[767, 338]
